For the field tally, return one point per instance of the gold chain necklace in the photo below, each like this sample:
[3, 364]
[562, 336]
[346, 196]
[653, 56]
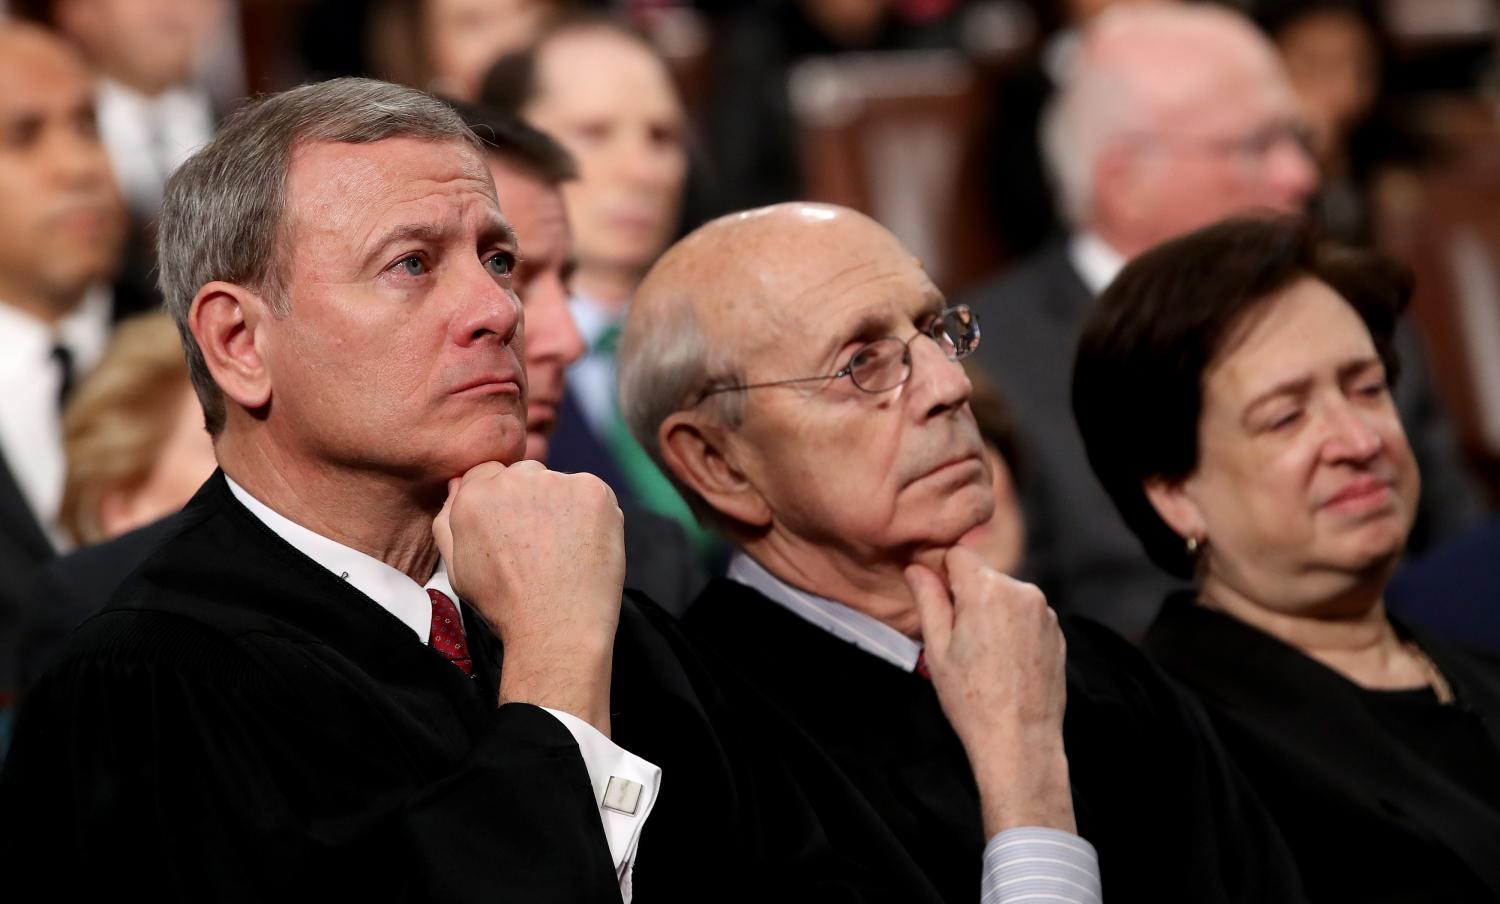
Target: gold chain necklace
[1440, 686]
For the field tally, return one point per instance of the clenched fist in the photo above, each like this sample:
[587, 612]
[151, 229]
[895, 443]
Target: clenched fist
[996, 657]
[541, 556]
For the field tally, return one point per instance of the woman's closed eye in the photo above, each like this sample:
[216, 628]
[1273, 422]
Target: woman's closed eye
[1281, 419]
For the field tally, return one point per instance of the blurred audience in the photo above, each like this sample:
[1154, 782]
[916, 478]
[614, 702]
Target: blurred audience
[61, 227]
[136, 452]
[1233, 391]
[152, 111]
[133, 434]
[457, 41]
[751, 130]
[603, 91]
[1173, 117]
[530, 171]
[1022, 199]
[1334, 55]
[1452, 590]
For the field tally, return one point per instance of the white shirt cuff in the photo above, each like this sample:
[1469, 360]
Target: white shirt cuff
[1033, 864]
[625, 787]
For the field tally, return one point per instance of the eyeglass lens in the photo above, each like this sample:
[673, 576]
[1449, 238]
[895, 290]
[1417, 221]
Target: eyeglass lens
[886, 363]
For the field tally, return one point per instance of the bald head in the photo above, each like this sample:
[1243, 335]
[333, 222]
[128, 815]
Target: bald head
[784, 295]
[61, 218]
[1165, 58]
[749, 277]
[1173, 117]
[734, 289]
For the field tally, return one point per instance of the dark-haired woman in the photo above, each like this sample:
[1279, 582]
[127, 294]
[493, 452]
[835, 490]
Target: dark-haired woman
[1233, 391]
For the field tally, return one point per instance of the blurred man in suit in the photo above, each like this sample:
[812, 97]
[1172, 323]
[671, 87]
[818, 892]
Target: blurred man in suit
[531, 171]
[61, 227]
[153, 112]
[796, 371]
[1172, 117]
[604, 92]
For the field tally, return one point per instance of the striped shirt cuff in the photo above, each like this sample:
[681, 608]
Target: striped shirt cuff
[1040, 865]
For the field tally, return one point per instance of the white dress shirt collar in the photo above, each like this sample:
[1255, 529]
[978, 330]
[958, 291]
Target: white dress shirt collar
[1096, 262]
[866, 632]
[396, 593]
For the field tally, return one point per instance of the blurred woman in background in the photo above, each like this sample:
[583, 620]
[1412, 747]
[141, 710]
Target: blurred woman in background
[133, 434]
[1233, 391]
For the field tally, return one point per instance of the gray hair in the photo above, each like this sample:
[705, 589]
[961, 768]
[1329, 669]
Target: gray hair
[665, 363]
[1103, 100]
[223, 213]
[1088, 113]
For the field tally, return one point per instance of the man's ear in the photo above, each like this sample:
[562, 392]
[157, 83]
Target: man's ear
[698, 454]
[1173, 503]
[223, 319]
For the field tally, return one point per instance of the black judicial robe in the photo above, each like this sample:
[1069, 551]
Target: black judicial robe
[1153, 791]
[1383, 796]
[240, 724]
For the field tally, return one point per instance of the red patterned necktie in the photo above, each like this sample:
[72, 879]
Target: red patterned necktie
[447, 634]
[921, 667]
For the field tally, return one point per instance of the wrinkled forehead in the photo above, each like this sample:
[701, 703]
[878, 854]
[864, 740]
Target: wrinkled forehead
[335, 188]
[820, 288]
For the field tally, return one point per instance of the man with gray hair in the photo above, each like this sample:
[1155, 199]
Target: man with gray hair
[287, 694]
[1172, 117]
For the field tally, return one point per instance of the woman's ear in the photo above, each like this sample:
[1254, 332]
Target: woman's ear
[703, 457]
[223, 319]
[1175, 505]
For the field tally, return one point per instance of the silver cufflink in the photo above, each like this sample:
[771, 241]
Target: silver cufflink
[622, 795]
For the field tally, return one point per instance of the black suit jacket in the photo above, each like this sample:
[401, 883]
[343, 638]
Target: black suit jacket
[24, 546]
[70, 588]
[661, 561]
[1078, 548]
[660, 558]
[1382, 797]
[573, 448]
[1152, 789]
[239, 724]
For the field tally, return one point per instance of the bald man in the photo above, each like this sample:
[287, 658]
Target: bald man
[61, 228]
[794, 370]
[1172, 117]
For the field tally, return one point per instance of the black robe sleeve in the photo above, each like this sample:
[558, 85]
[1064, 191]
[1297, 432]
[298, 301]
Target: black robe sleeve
[161, 757]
